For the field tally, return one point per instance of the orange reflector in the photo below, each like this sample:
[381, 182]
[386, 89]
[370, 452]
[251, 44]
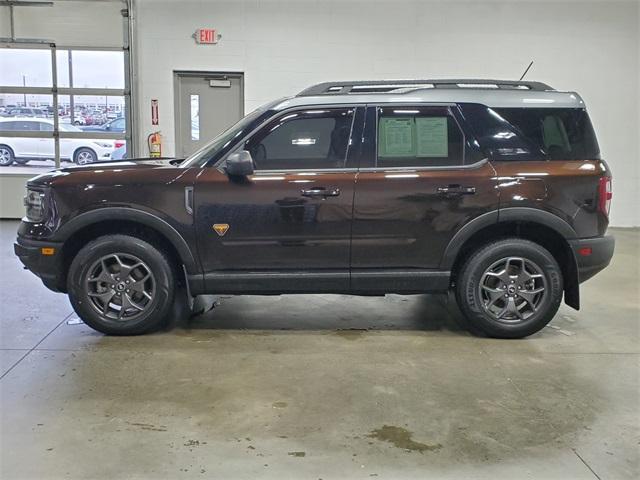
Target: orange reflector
[585, 251]
[48, 251]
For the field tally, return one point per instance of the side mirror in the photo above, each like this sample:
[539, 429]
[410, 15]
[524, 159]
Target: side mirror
[239, 164]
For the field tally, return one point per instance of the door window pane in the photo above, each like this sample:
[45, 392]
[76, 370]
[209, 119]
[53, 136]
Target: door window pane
[418, 137]
[311, 139]
[93, 112]
[195, 117]
[25, 67]
[90, 69]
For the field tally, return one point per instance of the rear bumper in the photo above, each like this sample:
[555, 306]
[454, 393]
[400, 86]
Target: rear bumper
[47, 267]
[601, 253]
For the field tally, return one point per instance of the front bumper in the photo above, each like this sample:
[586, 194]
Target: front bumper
[601, 252]
[47, 267]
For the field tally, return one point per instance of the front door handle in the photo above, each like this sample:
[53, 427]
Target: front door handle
[320, 192]
[456, 190]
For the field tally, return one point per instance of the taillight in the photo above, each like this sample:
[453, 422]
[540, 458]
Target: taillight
[605, 193]
[118, 144]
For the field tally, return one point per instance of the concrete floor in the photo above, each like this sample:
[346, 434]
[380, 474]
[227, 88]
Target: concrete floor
[278, 387]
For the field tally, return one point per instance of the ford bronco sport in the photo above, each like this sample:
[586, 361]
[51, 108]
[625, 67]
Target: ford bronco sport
[492, 189]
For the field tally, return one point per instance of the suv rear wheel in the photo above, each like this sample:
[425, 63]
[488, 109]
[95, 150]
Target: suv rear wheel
[511, 288]
[121, 285]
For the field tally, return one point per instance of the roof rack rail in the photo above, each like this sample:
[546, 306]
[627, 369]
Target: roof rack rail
[401, 86]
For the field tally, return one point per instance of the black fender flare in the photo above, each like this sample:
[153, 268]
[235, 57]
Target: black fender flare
[465, 233]
[134, 215]
[534, 215]
[521, 214]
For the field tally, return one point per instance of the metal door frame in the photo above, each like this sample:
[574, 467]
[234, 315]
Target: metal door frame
[179, 74]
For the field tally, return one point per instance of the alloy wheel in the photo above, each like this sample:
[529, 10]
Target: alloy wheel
[5, 156]
[84, 158]
[512, 289]
[120, 286]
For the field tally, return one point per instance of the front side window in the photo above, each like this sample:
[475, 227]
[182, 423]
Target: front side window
[305, 139]
[418, 137]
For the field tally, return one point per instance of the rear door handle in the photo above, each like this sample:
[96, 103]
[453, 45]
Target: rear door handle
[456, 190]
[320, 192]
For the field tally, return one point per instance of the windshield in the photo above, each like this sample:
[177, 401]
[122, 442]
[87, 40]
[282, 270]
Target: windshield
[221, 144]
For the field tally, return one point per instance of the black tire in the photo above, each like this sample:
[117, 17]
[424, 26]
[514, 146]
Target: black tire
[6, 156]
[85, 289]
[85, 156]
[21, 161]
[481, 304]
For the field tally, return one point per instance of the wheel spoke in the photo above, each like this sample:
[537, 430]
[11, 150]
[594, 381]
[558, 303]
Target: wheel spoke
[529, 295]
[138, 285]
[502, 275]
[105, 298]
[494, 293]
[512, 308]
[132, 303]
[104, 275]
[125, 304]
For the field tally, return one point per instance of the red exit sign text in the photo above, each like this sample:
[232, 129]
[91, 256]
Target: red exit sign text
[206, 35]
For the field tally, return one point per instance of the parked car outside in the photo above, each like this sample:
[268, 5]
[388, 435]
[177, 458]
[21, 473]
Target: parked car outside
[27, 112]
[493, 190]
[23, 149]
[116, 125]
[120, 153]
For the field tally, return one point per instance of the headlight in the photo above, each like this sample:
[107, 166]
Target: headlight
[104, 144]
[34, 203]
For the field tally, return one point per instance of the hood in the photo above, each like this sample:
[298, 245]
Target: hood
[132, 164]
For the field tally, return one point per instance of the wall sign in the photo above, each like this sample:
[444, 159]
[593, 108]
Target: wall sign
[206, 36]
[155, 119]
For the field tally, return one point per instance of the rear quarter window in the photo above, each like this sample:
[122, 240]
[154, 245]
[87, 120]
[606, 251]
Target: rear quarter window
[533, 133]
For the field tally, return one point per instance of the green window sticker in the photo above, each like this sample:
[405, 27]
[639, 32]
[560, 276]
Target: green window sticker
[396, 137]
[432, 137]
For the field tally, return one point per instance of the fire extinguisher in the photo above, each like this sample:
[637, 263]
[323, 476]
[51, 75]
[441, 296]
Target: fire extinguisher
[155, 144]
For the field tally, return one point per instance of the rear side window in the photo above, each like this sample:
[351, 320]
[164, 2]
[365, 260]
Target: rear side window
[559, 133]
[418, 137]
[533, 133]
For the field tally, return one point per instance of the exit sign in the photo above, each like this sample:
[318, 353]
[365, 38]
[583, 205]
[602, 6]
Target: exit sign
[206, 36]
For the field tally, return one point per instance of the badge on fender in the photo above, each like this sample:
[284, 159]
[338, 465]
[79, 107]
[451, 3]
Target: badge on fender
[221, 228]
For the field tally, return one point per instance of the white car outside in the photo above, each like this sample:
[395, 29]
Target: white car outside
[22, 149]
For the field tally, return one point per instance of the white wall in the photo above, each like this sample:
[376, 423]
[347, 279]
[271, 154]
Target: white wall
[284, 46]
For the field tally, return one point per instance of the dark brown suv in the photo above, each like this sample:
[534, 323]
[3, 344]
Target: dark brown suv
[494, 189]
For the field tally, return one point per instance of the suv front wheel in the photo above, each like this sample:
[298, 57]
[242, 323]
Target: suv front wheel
[510, 288]
[121, 285]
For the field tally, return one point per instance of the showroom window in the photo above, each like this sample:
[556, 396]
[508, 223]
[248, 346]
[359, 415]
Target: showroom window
[309, 139]
[418, 137]
[79, 92]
